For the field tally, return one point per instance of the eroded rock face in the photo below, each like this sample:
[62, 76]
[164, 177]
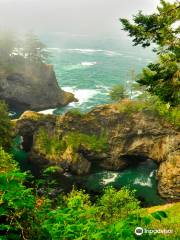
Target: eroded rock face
[76, 163]
[34, 88]
[169, 177]
[131, 137]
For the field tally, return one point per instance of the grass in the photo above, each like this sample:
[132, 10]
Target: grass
[154, 106]
[48, 144]
[130, 107]
[52, 146]
[91, 142]
[172, 221]
[76, 112]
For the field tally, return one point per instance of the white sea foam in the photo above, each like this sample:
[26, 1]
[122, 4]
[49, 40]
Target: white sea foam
[112, 53]
[54, 49]
[69, 89]
[111, 177]
[109, 53]
[135, 94]
[47, 111]
[103, 87]
[84, 50]
[79, 66]
[152, 173]
[88, 64]
[90, 51]
[83, 95]
[12, 114]
[143, 182]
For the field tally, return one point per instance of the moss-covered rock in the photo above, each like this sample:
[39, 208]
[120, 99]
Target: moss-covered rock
[111, 136]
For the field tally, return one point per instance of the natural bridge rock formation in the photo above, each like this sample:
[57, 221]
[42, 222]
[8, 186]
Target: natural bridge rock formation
[110, 136]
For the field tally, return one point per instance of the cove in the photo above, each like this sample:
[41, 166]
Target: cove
[141, 178]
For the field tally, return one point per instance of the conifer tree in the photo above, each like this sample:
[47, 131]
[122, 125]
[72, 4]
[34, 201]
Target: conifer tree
[162, 28]
[34, 49]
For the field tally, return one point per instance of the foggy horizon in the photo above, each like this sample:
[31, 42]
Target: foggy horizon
[85, 17]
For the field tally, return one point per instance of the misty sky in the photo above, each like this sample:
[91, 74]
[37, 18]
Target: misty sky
[72, 16]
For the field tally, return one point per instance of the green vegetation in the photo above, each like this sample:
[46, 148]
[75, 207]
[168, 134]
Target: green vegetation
[170, 222]
[28, 213]
[152, 106]
[15, 52]
[34, 50]
[131, 107]
[163, 77]
[118, 92]
[114, 215]
[16, 201]
[53, 146]
[80, 219]
[90, 142]
[159, 82]
[5, 127]
[76, 112]
[49, 144]
[170, 114]
[120, 204]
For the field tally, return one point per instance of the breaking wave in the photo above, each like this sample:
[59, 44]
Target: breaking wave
[83, 95]
[88, 64]
[145, 181]
[110, 178]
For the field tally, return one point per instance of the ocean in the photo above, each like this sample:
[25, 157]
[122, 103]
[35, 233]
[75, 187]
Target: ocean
[90, 66]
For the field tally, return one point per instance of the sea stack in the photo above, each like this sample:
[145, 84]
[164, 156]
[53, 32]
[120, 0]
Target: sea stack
[32, 87]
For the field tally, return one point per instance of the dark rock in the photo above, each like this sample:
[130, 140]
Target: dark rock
[34, 88]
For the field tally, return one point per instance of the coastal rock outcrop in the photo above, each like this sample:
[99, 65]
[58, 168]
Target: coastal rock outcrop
[111, 136]
[32, 87]
[169, 177]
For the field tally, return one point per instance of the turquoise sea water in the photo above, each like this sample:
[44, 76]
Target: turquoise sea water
[142, 178]
[89, 66]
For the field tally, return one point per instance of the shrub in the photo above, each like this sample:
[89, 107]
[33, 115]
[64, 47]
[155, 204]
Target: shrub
[154, 105]
[92, 142]
[74, 221]
[48, 143]
[76, 112]
[130, 107]
[51, 144]
[115, 204]
[5, 126]
[16, 202]
[171, 114]
[118, 92]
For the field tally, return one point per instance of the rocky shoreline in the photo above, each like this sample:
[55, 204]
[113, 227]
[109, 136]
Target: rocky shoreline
[113, 136]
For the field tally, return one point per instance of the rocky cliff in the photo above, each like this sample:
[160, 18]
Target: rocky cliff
[111, 136]
[32, 87]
